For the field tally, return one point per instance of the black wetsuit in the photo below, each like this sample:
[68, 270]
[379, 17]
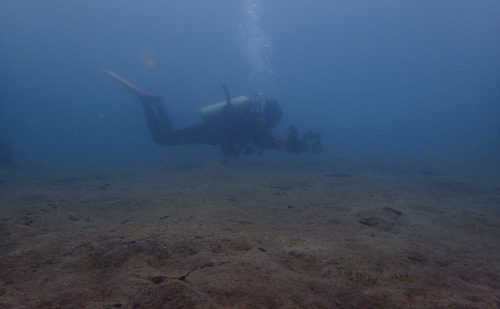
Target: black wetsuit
[236, 134]
[234, 130]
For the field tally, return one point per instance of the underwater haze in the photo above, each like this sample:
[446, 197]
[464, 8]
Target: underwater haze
[249, 154]
[396, 78]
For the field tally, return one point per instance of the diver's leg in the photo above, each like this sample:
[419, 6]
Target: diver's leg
[163, 118]
[195, 134]
[160, 127]
[159, 123]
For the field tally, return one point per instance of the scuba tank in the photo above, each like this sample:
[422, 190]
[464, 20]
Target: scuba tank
[240, 106]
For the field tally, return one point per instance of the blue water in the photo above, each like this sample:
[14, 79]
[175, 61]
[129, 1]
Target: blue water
[401, 210]
[377, 78]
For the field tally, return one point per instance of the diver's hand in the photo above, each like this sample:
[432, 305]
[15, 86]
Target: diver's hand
[293, 142]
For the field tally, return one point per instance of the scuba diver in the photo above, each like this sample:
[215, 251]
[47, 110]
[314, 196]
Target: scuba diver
[239, 126]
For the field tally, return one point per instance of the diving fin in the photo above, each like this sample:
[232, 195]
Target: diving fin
[133, 89]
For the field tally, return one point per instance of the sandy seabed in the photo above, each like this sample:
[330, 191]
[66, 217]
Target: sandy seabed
[248, 236]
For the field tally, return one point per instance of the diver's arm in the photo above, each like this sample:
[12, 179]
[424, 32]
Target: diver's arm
[293, 143]
[309, 141]
[270, 143]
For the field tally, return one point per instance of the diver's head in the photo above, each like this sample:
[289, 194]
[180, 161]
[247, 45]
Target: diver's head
[271, 113]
